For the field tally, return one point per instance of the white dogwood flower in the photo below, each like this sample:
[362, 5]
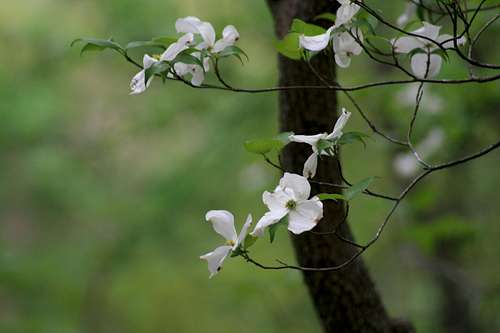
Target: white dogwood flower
[290, 198]
[197, 73]
[346, 12]
[223, 224]
[345, 46]
[175, 48]
[315, 43]
[229, 37]
[194, 25]
[138, 84]
[311, 164]
[428, 64]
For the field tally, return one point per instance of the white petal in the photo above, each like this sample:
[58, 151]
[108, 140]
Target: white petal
[137, 85]
[206, 64]
[420, 62]
[175, 48]
[207, 32]
[342, 60]
[188, 24]
[310, 166]
[223, 223]
[147, 61]
[406, 44]
[339, 125]
[220, 45]
[265, 221]
[428, 30]
[345, 46]
[305, 216]
[244, 231]
[194, 25]
[309, 139]
[447, 41]
[276, 201]
[298, 184]
[216, 258]
[198, 76]
[181, 68]
[230, 34]
[345, 13]
[186, 39]
[315, 43]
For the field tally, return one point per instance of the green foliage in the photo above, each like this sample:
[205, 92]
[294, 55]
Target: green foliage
[326, 16]
[93, 44]
[249, 241]
[289, 46]
[157, 68]
[331, 196]
[140, 44]
[164, 40]
[263, 146]
[357, 188]
[307, 29]
[378, 43]
[352, 137]
[234, 51]
[450, 228]
[273, 228]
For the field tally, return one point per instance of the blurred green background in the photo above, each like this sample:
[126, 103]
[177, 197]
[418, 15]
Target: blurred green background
[103, 195]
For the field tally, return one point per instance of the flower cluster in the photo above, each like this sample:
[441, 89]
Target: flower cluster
[425, 59]
[345, 37]
[425, 62]
[314, 141]
[290, 199]
[199, 37]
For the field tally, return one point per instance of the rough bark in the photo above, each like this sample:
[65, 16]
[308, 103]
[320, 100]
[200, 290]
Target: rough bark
[346, 300]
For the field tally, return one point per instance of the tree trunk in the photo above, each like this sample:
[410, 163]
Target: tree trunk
[346, 300]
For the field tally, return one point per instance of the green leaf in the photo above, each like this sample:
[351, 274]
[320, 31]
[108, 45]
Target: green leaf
[289, 46]
[421, 13]
[325, 144]
[156, 68]
[379, 43]
[365, 25]
[164, 40]
[187, 58]
[249, 241]
[326, 16]
[93, 44]
[237, 252]
[330, 196]
[307, 29]
[412, 25]
[284, 137]
[448, 228]
[273, 228]
[138, 44]
[357, 188]
[442, 53]
[263, 146]
[351, 137]
[232, 50]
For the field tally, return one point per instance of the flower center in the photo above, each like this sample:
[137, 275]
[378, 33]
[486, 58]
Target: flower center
[230, 243]
[291, 204]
